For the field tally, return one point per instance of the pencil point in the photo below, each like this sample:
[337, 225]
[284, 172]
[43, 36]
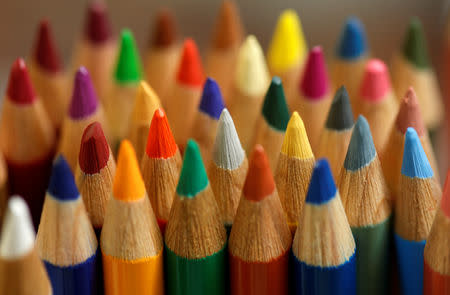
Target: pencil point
[97, 28]
[17, 238]
[352, 43]
[322, 187]
[160, 143]
[409, 114]
[94, 149]
[84, 100]
[275, 109]
[415, 162]
[45, 51]
[296, 143]
[315, 83]
[62, 184]
[361, 150]
[128, 185]
[228, 27]
[252, 75]
[375, 83]
[165, 31]
[146, 102]
[190, 69]
[20, 90]
[227, 152]
[340, 116]
[128, 67]
[211, 102]
[259, 182]
[415, 47]
[445, 202]
[193, 177]
[288, 45]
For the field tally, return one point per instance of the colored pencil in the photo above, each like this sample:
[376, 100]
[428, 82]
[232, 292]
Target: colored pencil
[271, 124]
[412, 67]
[94, 174]
[366, 200]
[65, 240]
[22, 272]
[313, 97]
[260, 238]
[324, 257]
[27, 140]
[83, 110]
[436, 278]
[145, 105]
[3, 187]
[47, 74]
[409, 115]
[131, 242]
[250, 83]
[161, 59]
[207, 118]
[195, 247]
[377, 102]
[287, 51]
[350, 57]
[293, 172]
[184, 97]
[336, 133]
[227, 169]
[160, 166]
[415, 207]
[222, 54]
[120, 100]
[96, 48]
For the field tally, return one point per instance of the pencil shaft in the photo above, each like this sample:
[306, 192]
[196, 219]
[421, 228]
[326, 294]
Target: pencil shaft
[435, 283]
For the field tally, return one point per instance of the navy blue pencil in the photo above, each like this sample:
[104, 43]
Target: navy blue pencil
[66, 241]
[323, 249]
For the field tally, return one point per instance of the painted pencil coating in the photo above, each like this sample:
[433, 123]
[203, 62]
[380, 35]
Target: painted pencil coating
[410, 257]
[196, 276]
[137, 276]
[434, 282]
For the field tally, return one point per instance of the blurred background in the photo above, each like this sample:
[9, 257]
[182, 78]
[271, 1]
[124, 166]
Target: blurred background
[385, 22]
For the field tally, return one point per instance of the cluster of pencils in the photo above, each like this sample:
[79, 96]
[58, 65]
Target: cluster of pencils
[183, 210]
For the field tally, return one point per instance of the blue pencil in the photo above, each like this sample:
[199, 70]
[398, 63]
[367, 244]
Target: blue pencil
[65, 240]
[415, 207]
[323, 250]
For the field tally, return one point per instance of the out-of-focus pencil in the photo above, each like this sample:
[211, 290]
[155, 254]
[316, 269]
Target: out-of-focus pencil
[195, 247]
[145, 105]
[366, 201]
[132, 245]
[22, 271]
[415, 207]
[222, 54]
[260, 239]
[83, 110]
[160, 166]
[206, 119]
[27, 140]
[336, 133]
[293, 172]
[227, 169]
[65, 240]
[350, 57]
[49, 79]
[250, 83]
[184, 97]
[287, 51]
[161, 59]
[3, 187]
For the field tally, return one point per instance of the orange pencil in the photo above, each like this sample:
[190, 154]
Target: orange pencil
[131, 242]
[160, 166]
[97, 48]
[184, 98]
[163, 53]
[224, 46]
[48, 76]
